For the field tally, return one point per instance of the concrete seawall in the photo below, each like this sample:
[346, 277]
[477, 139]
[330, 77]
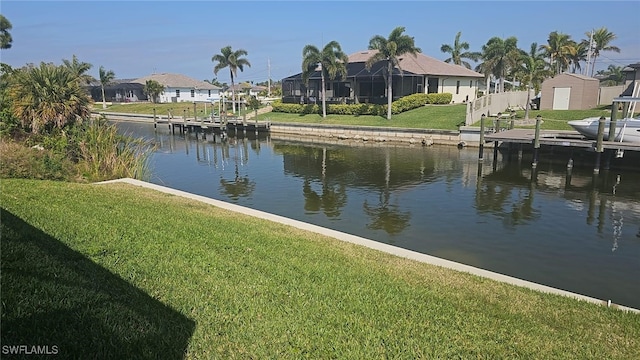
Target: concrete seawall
[348, 134]
[367, 134]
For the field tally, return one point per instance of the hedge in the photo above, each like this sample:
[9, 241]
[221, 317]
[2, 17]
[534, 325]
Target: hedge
[403, 104]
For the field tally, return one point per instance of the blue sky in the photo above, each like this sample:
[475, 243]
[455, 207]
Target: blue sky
[137, 38]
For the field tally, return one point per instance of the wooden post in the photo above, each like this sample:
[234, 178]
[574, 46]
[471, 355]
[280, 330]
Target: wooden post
[612, 123]
[195, 114]
[481, 151]
[184, 120]
[599, 148]
[536, 142]
[155, 123]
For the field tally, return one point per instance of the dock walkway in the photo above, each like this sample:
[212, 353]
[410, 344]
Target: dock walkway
[566, 138]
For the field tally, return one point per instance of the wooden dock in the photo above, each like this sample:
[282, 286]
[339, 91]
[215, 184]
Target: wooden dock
[216, 124]
[565, 138]
[558, 138]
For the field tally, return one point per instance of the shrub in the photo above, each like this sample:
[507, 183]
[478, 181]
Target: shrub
[401, 105]
[20, 161]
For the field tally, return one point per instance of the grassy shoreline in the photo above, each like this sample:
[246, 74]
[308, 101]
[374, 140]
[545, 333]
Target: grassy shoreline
[437, 117]
[165, 275]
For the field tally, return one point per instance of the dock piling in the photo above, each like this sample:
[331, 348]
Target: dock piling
[481, 151]
[536, 142]
[599, 147]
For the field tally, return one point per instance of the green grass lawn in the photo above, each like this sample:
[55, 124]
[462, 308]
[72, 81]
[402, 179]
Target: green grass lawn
[437, 117]
[126, 272]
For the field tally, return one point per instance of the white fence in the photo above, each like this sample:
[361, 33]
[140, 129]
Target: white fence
[494, 103]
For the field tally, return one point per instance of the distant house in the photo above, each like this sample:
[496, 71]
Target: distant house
[180, 88]
[631, 79]
[244, 89]
[569, 92]
[121, 90]
[420, 74]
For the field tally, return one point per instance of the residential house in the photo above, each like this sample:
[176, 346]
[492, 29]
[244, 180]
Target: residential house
[121, 90]
[244, 89]
[418, 74]
[180, 88]
[631, 79]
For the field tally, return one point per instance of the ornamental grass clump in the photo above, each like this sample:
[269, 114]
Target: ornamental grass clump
[105, 154]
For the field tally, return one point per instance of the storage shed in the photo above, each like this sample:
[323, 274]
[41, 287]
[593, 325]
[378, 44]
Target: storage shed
[569, 92]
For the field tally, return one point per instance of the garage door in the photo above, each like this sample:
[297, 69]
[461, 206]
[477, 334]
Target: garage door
[561, 98]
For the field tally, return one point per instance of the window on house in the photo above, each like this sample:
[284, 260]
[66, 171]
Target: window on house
[193, 93]
[458, 87]
[470, 83]
[177, 92]
[209, 92]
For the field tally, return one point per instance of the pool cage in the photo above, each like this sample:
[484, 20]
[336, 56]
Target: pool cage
[361, 85]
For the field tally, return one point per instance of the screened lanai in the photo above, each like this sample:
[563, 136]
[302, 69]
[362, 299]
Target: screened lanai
[359, 86]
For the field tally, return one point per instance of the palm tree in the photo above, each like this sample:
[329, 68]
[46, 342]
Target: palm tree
[558, 49]
[48, 97]
[106, 77]
[234, 61]
[153, 89]
[577, 54]
[389, 50]
[612, 76]
[332, 62]
[5, 36]
[601, 39]
[499, 57]
[79, 69]
[533, 70]
[457, 53]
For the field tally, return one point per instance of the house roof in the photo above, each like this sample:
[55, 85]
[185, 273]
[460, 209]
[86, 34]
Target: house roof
[356, 70]
[245, 86]
[578, 76]
[177, 81]
[421, 64]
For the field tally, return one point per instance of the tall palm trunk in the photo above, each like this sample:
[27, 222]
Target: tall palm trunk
[233, 95]
[324, 97]
[389, 94]
[104, 104]
[527, 105]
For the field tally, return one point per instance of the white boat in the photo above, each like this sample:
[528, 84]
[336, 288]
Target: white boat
[627, 129]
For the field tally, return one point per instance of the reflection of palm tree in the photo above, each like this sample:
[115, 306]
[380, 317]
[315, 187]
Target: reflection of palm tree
[386, 217]
[333, 198]
[496, 195]
[239, 187]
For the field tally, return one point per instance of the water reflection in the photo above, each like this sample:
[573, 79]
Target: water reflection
[559, 226]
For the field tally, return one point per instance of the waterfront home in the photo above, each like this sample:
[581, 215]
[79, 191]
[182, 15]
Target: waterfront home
[417, 74]
[181, 88]
[119, 90]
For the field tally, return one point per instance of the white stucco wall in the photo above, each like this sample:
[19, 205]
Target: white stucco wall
[185, 94]
[466, 92]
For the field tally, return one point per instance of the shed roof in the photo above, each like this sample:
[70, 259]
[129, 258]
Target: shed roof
[421, 64]
[177, 81]
[578, 76]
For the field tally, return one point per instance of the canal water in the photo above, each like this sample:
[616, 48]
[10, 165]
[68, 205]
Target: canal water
[570, 230]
